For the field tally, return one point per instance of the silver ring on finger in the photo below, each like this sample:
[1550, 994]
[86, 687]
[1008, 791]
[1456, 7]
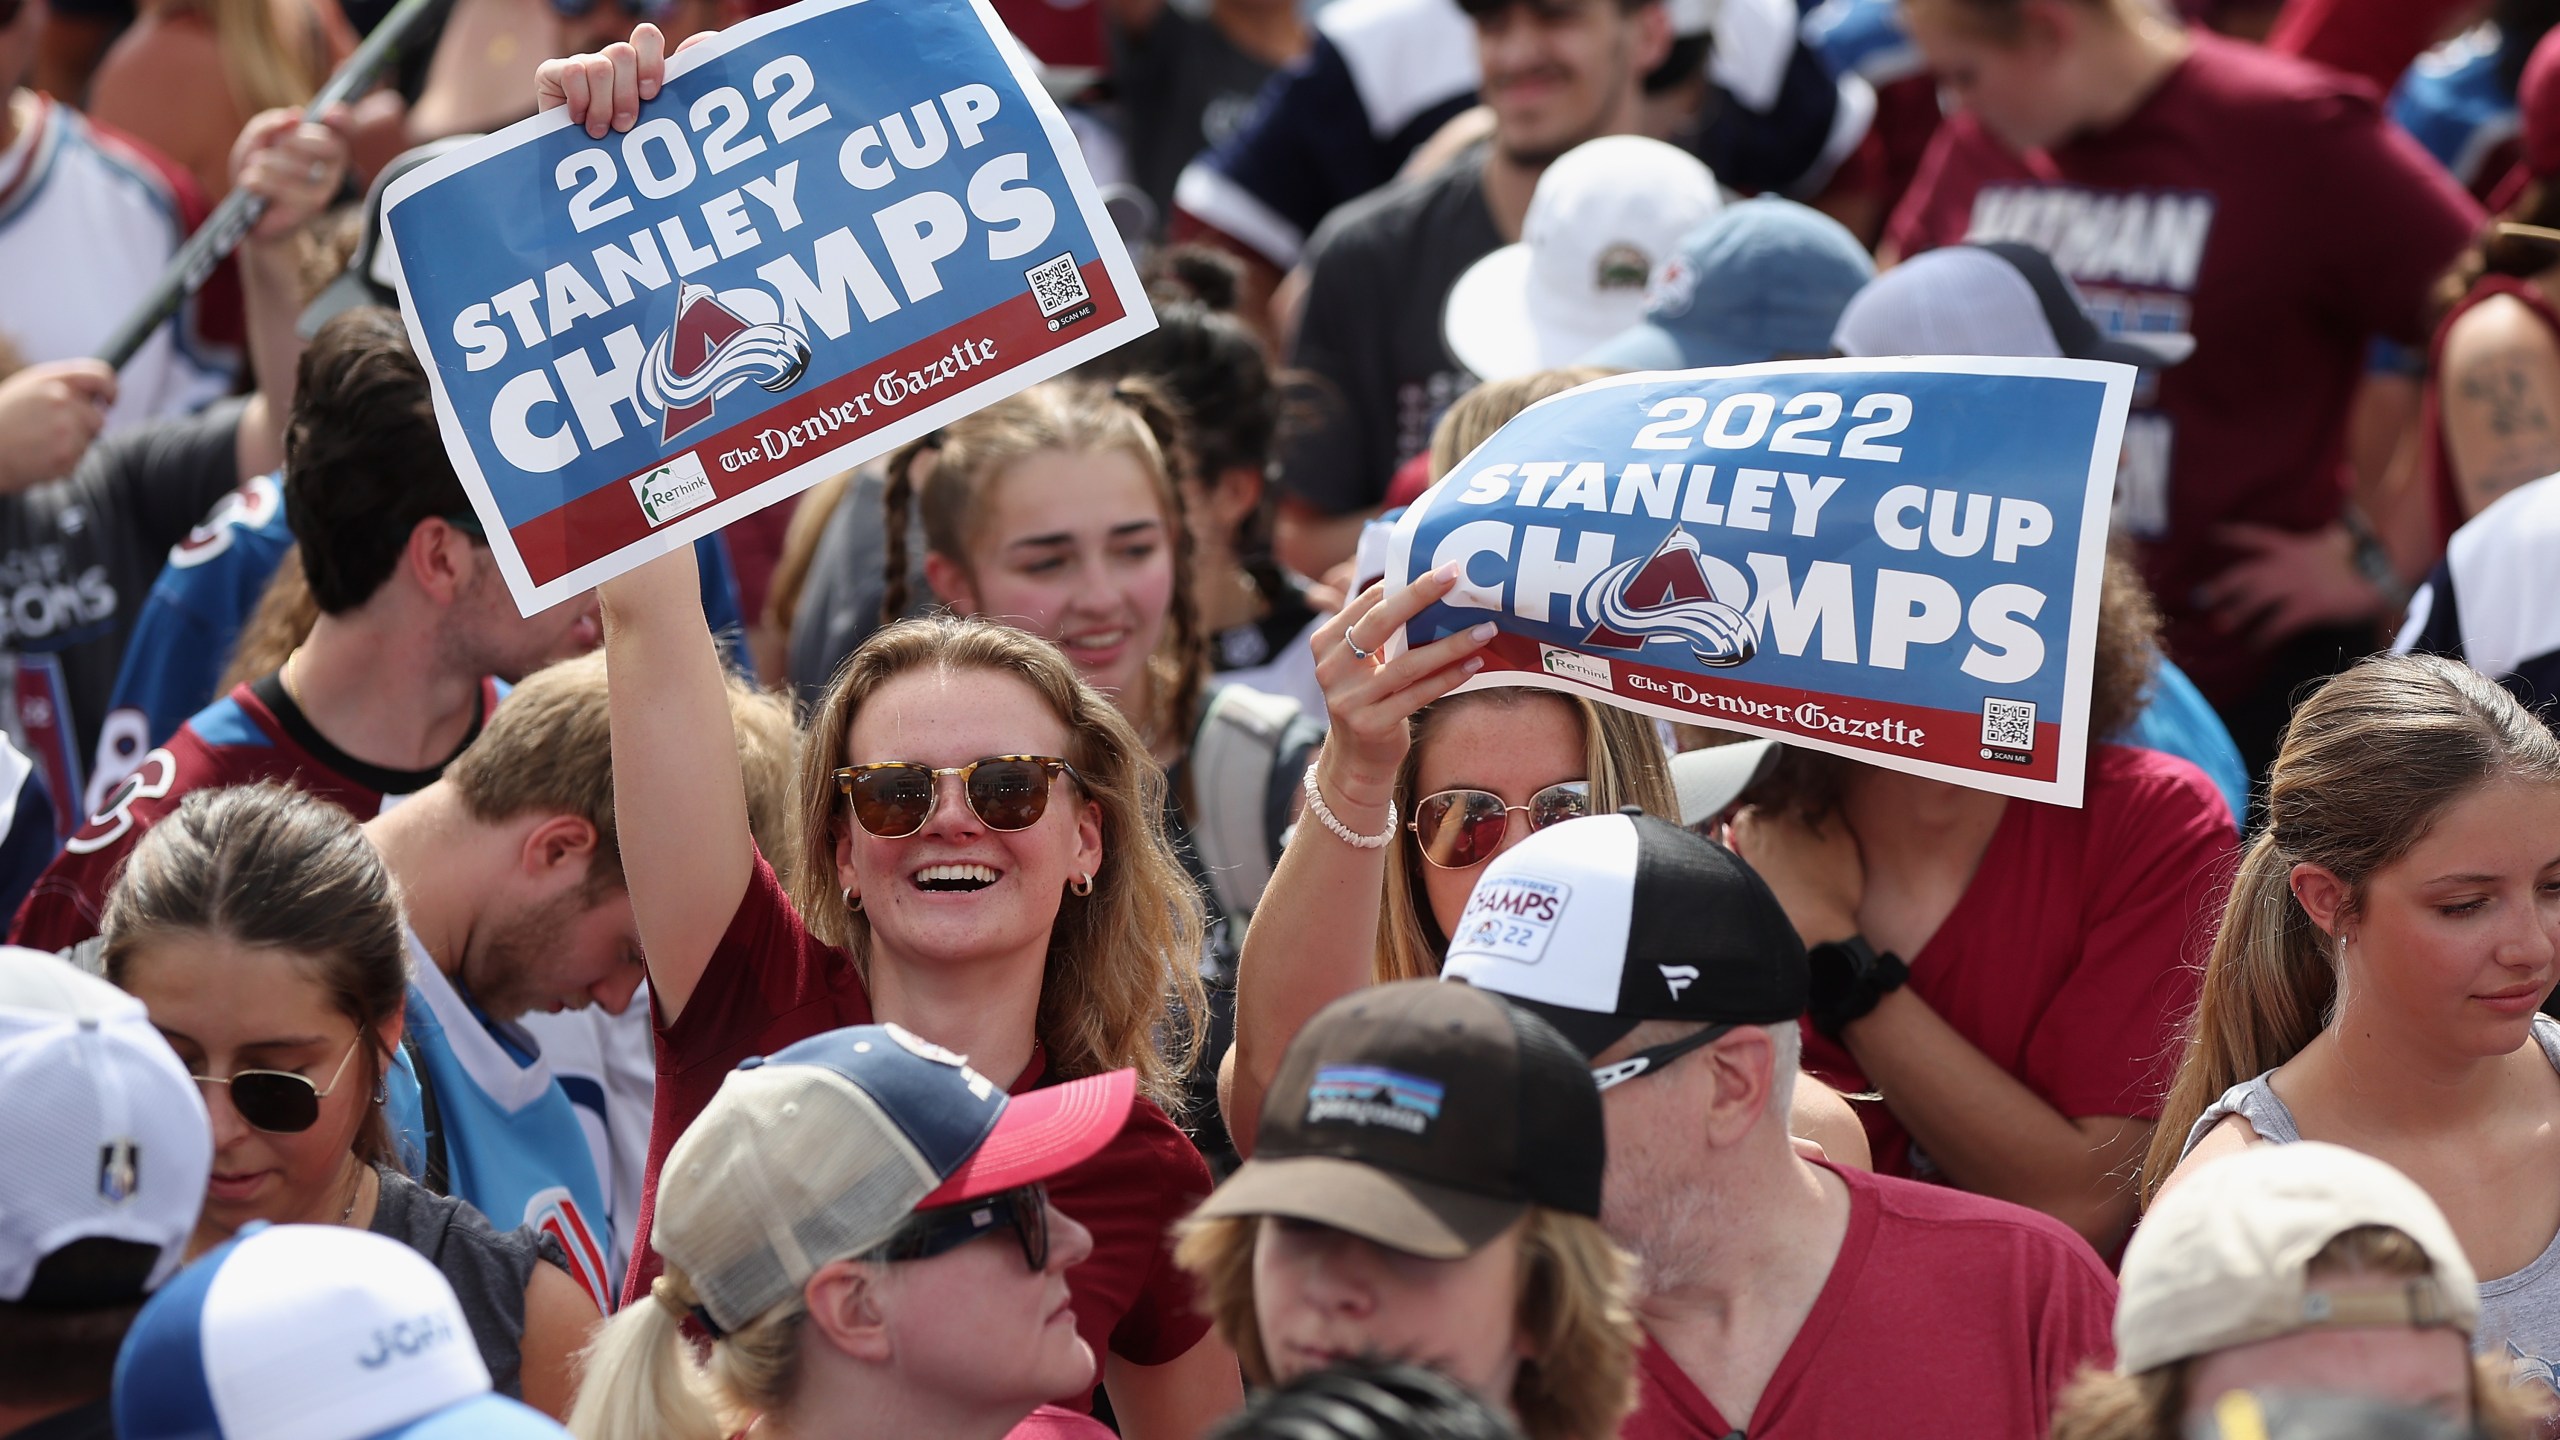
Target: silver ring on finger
[1369, 655]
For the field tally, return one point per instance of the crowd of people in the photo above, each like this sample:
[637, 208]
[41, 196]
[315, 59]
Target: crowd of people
[1002, 946]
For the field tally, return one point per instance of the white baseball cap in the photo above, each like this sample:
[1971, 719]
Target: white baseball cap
[311, 1332]
[1997, 298]
[2224, 1259]
[1603, 216]
[102, 1134]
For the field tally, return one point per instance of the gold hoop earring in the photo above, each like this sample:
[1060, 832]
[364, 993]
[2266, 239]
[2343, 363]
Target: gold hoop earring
[852, 901]
[1083, 885]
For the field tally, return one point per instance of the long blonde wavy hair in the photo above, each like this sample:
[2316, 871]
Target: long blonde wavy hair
[1576, 1307]
[2368, 765]
[1120, 957]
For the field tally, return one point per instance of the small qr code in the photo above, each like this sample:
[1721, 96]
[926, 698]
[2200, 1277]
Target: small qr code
[1057, 285]
[2009, 724]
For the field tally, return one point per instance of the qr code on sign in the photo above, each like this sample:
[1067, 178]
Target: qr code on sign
[2009, 724]
[1057, 285]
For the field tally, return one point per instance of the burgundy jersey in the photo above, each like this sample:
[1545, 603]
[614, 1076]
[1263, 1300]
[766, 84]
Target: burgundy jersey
[254, 733]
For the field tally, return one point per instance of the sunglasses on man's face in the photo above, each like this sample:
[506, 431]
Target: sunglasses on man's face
[893, 798]
[279, 1102]
[928, 1233]
[1461, 829]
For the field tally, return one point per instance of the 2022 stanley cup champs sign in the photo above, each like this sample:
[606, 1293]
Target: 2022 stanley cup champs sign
[836, 227]
[1893, 560]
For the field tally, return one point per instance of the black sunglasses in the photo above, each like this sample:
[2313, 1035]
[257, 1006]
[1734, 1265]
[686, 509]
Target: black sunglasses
[893, 798]
[928, 1233]
[1461, 829]
[1654, 1057]
[279, 1101]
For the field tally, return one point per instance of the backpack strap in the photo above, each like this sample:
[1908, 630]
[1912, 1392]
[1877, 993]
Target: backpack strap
[1241, 736]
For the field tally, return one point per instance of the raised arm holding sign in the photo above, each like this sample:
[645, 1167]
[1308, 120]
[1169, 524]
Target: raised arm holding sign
[837, 227]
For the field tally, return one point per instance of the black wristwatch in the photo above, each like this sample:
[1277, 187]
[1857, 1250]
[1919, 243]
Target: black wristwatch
[1849, 977]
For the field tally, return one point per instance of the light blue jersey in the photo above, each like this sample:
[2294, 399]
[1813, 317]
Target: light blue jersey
[504, 1133]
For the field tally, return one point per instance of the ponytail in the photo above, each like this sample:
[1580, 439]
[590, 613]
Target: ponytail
[2368, 765]
[639, 1379]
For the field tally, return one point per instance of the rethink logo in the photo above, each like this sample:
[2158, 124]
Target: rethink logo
[673, 489]
[1589, 669]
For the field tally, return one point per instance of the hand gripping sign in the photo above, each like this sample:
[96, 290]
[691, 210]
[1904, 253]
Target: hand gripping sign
[1893, 560]
[837, 227]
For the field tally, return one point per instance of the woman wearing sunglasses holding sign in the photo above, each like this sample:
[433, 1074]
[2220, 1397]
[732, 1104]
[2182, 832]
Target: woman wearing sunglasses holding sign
[260, 929]
[983, 862]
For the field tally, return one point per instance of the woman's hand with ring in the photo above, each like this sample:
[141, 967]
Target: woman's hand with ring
[1372, 699]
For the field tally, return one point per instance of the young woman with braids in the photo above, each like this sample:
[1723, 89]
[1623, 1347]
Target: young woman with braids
[2389, 938]
[1059, 511]
[982, 861]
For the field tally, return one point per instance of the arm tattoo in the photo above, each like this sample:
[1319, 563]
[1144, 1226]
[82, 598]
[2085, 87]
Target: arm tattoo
[2522, 442]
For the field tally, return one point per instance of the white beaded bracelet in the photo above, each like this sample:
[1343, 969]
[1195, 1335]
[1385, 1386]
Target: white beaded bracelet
[1342, 832]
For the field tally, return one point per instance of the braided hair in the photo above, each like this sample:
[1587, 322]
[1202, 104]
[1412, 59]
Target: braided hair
[944, 478]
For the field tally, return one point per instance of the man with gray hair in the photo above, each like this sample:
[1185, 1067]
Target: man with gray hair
[1781, 1295]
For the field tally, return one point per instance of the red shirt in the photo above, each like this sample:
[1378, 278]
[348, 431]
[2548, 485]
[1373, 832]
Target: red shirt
[1056, 1422]
[1946, 1315]
[254, 733]
[2267, 207]
[770, 983]
[2073, 957]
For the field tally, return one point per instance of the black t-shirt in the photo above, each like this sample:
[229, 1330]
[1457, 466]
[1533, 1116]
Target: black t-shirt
[1184, 88]
[1252, 644]
[1374, 373]
[487, 1267]
[77, 558]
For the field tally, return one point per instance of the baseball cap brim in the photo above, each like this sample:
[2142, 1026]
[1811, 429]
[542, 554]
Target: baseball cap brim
[1709, 782]
[483, 1417]
[1413, 1216]
[1487, 323]
[1042, 1133]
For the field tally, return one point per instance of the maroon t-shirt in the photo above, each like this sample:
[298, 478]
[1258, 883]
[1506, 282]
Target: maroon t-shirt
[771, 983]
[2267, 207]
[2073, 957]
[2011, 1303]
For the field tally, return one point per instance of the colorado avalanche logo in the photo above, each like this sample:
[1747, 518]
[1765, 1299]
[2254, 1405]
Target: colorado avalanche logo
[1665, 597]
[710, 351]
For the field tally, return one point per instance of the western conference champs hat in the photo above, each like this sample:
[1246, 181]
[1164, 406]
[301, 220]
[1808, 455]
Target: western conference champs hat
[821, 1150]
[2223, 1259]
[1603, 923]
[1425, 1117]
[311, 1332]
[102, 1137]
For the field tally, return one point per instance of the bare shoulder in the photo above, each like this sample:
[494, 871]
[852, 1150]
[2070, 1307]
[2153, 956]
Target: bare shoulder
[2500, 326]
[2231, 1135]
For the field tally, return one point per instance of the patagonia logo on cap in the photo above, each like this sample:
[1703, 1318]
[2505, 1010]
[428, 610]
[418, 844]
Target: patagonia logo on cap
[1511, 918]
[1368, 1095]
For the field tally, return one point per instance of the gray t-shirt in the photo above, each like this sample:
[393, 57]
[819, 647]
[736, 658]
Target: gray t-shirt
[487, 1267]
[2519, 1313]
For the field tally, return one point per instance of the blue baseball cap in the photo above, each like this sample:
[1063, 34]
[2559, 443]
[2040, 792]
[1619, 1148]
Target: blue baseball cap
[823, 1149]
[311, 1332]
[1764, 279]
